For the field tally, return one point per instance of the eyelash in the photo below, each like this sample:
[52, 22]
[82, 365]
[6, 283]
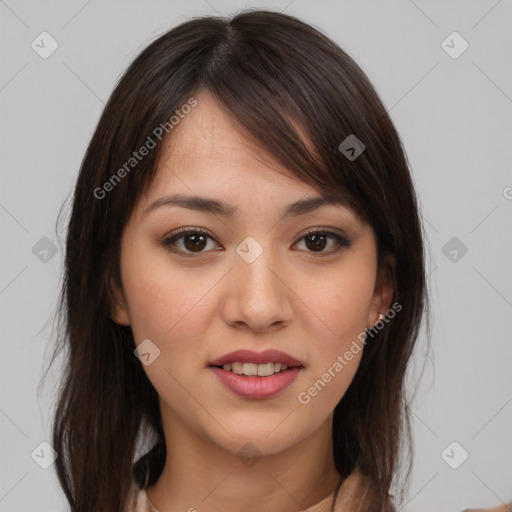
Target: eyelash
[168, 242]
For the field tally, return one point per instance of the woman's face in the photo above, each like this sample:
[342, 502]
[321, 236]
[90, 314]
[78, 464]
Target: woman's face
[253, 281]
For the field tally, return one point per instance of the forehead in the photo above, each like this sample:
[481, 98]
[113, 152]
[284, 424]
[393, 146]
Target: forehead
[209, 150]
[208, 155]
[208, 131]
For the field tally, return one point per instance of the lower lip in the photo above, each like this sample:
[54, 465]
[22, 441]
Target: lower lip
[254, 386]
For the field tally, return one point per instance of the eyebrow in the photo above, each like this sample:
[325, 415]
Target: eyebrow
[213, 206]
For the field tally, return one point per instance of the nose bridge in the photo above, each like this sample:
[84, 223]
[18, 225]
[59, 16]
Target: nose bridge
[258, 297]
[254, 270]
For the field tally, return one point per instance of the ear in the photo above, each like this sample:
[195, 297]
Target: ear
[120, 313]
[383, 292]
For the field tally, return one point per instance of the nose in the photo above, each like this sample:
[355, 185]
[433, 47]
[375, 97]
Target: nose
[258, 296]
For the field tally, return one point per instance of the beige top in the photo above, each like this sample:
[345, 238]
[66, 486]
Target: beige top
[501, 508]
[348, 499]
[350, 493]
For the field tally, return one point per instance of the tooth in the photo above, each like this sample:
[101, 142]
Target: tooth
[262, 370]
[237, 368]
[265, 369]
[250, 369]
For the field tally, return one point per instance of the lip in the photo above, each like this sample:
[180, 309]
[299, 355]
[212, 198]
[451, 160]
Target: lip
[254, 386]
[250, 356]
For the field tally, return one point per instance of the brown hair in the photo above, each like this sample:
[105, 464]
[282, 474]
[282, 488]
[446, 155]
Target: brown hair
[296, 94]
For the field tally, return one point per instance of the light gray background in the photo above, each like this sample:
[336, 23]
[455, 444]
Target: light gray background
[455, 118]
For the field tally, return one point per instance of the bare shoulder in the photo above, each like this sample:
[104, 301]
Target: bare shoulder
[506, 507]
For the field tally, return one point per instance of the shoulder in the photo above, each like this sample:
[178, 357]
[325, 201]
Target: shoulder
[357, 493]
[137, 500]
[501, 508]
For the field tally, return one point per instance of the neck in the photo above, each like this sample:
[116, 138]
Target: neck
[202, 475]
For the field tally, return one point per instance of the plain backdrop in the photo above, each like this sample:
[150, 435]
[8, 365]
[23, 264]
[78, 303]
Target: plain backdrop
[450, 96]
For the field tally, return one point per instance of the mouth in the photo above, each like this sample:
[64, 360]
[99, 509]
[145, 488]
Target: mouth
[252, 361]
[256, 375]
[253, 369]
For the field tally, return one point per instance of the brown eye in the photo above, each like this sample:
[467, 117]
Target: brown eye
[192, 241]
[317, 241]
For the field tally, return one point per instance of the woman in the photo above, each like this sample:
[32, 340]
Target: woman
[244, 281]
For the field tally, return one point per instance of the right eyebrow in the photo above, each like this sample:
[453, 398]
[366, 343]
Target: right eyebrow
[214, 206]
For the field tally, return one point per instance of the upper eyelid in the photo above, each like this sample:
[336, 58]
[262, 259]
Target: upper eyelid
[317, 229]
[180, 232]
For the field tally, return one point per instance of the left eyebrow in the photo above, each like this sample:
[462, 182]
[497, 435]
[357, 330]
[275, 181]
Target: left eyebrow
[214, 206]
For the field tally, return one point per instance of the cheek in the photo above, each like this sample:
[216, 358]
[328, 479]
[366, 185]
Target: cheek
[338, 307]
[168, 308]
[166, 304]
[340, 301]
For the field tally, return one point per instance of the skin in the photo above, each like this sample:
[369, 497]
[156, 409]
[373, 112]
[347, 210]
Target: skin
[196, 309]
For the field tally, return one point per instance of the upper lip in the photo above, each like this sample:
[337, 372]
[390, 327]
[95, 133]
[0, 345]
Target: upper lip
[249, 356]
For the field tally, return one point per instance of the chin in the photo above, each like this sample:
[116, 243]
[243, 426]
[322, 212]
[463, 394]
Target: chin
[254, 440]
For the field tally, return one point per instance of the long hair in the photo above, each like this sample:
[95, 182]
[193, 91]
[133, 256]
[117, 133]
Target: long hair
[296, 94]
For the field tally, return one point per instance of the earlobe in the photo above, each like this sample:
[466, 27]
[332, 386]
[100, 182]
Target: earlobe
[383, 293]
[120, 313]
